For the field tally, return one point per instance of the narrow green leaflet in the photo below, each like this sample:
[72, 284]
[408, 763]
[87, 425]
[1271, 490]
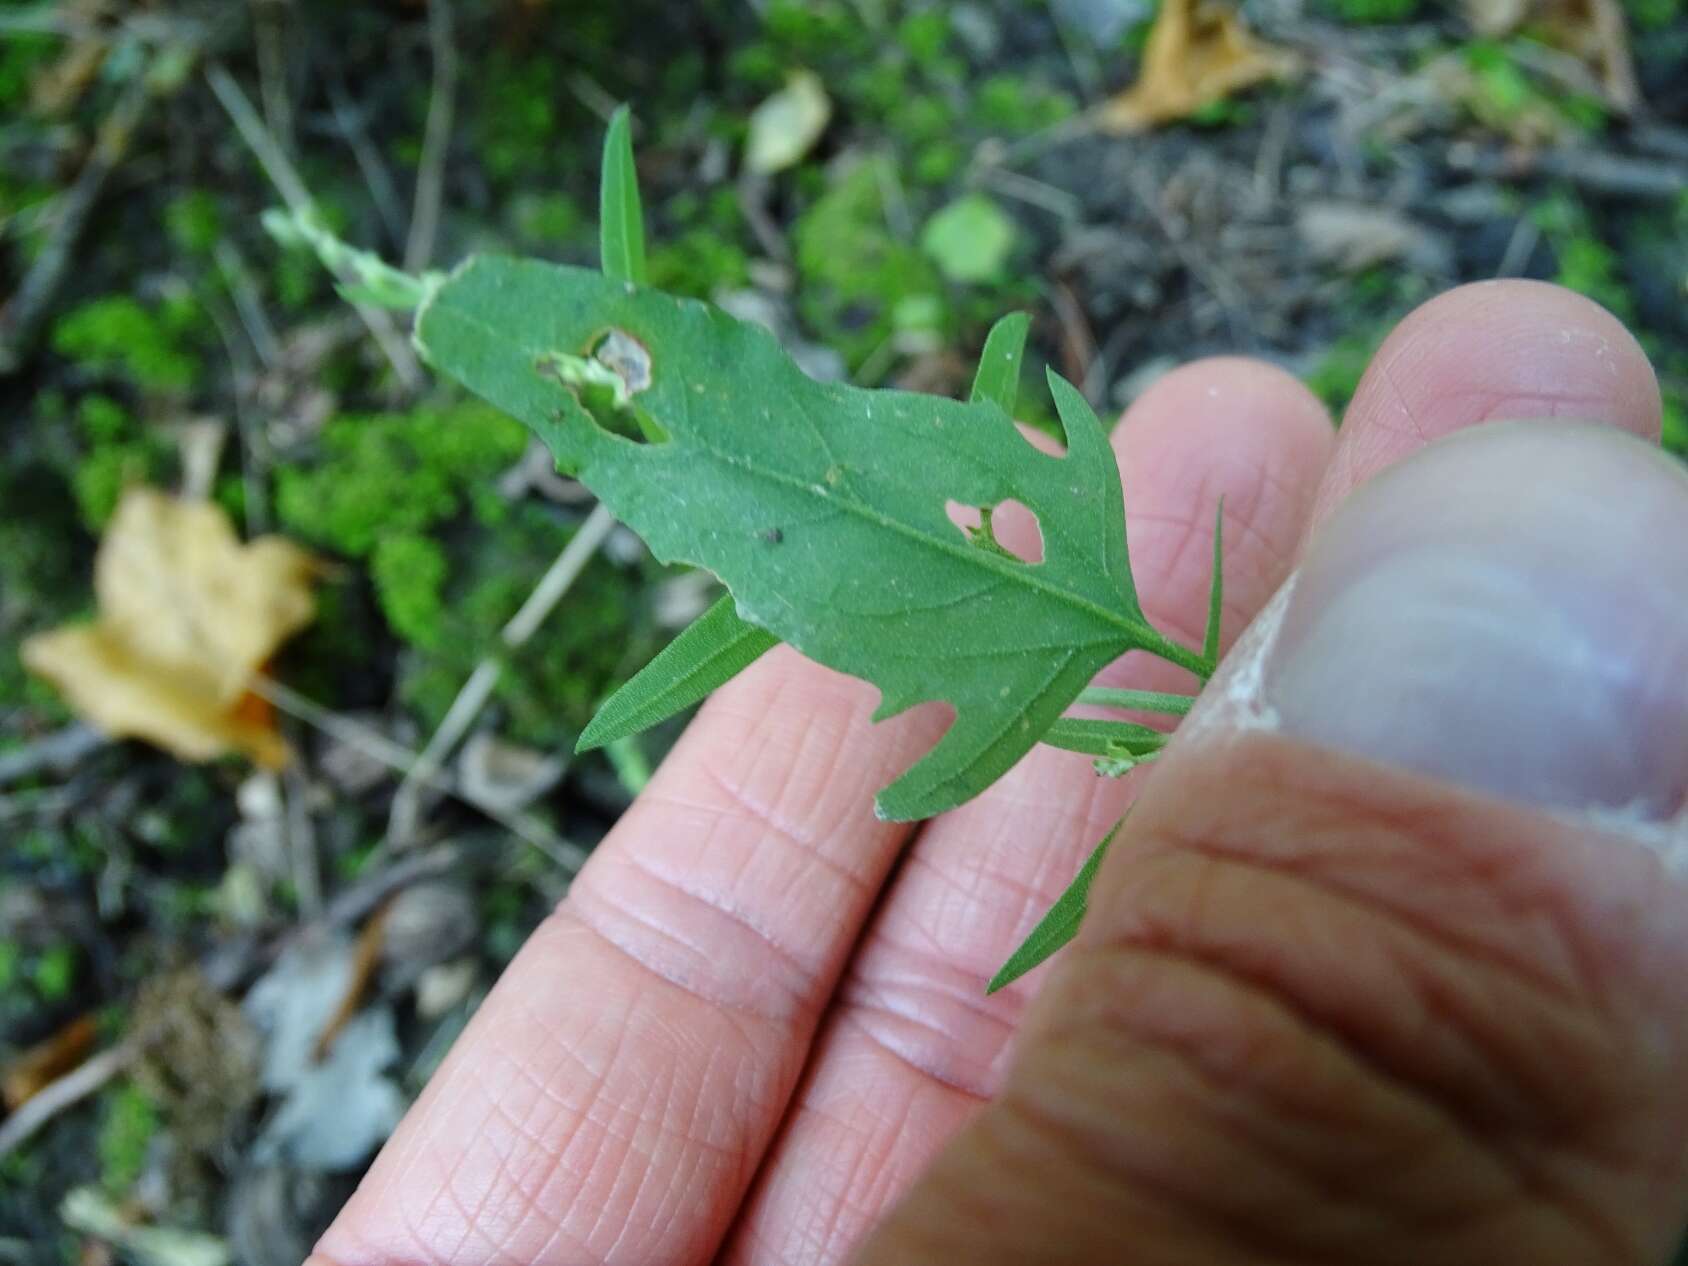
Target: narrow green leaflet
[1139, 700]
[1216, 594]
[621, 224]
[1103, 738]
[1060, 925]
[713, 649]
[821, 505]
[998, 375]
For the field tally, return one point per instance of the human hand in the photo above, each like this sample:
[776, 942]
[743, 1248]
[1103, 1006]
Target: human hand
[1381, 969]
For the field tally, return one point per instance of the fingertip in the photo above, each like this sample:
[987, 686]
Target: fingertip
[1491, 351]
[1223, 427]
[1217, 392]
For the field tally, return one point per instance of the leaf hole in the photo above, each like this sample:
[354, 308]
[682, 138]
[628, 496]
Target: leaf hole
[625, 356]
[1008, 528]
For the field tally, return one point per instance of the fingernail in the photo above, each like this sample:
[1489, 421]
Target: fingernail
[1507, 610]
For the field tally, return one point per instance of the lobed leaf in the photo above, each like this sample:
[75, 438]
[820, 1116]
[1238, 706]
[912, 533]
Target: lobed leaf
[820, 505]
[713, 649]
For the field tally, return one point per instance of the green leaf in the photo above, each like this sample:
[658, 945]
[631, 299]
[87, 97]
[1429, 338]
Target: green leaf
[1060, 925]
[969, 240]
[714, 648]
[821, 505]
[1139, 700]
[1096, 737]
[998, 376]
[621, 224]
[1216, 594]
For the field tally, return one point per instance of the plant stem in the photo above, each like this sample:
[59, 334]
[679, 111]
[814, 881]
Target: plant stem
[1138, 700]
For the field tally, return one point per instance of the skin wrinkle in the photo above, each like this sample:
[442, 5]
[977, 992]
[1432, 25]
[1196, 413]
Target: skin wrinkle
[802, 975]
[1272, 975]
[1338, 806]
[1567, 1195]
[937, 1051]
[1203, 1206]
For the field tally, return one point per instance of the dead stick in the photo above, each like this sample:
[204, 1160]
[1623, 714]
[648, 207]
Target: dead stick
[402, 821]
[436, 140]
[292, 189]
[66, 1092]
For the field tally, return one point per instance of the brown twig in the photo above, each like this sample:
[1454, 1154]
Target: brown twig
[366, 960]
[66, 1092]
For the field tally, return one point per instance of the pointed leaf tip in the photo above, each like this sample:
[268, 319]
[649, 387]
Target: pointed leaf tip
[1060, 925]
[998, 375]
[621, 226]
[1216, 593]
[713, 649]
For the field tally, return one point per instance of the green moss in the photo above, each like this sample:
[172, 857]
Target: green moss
[11, 962]
[1339, 371]
[116, 335]
[1372, 12]
[102, 476]
[1674, 433]
[1584, 262]
[517, 120]
[856, 275]
[394, 473]
[409, 572]
[1653, 15]
[1016, 105]
[1507, 97]
[120, 451]
[924, 36]
[127, 1127]
[548, 218]
[23, 55]
[697, 262]
[550, 686]
[193, 222]
[813, 30]
[54, 973]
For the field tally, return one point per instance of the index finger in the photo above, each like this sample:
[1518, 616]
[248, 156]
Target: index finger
[613, 1096]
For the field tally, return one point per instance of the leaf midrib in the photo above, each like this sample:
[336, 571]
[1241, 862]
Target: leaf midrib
[1139, 631]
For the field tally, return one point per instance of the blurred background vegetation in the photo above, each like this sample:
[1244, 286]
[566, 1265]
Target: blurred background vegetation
[875, 179]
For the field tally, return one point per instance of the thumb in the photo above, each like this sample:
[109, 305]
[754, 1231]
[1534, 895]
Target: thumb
[1390, 963]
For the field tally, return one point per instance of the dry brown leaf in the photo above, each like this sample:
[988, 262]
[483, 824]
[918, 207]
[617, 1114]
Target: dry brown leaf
[186, 615]
[1593, 31]
[1198, 52]
[41, 1065]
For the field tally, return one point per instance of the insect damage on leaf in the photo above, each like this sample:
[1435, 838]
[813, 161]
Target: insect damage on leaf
[871, 577]
[827, 511]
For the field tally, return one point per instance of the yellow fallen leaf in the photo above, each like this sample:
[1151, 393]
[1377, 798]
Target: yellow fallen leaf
[1198, 52]
[186, 615]
[786, 126]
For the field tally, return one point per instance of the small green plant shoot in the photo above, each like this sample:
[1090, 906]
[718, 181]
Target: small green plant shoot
[821, 507]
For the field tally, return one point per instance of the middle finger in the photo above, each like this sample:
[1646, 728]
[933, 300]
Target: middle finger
[913, 1043]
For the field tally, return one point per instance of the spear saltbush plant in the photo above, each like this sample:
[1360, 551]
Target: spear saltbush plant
[821, 507]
